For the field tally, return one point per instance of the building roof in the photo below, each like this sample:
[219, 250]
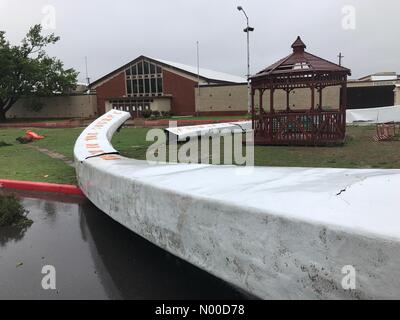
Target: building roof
[206, 75]
[380, 76]
[301, 61]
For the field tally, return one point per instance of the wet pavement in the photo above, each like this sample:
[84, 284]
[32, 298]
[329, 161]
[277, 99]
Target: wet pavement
[94, 258]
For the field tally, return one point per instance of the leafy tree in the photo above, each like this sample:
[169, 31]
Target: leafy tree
[27, 71]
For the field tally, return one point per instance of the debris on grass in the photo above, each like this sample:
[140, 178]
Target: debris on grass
[4, 144]
[33, 135]
[24, 140]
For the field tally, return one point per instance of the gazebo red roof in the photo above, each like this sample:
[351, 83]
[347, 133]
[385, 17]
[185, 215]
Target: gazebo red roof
[301, 61]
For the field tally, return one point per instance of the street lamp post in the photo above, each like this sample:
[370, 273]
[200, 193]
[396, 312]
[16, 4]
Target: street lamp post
[247, 30]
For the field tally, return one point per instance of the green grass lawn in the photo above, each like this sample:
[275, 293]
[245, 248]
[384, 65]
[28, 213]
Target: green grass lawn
[22, 163]
[359, 151]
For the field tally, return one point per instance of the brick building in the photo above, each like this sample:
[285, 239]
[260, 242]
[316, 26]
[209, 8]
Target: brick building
[148, 83]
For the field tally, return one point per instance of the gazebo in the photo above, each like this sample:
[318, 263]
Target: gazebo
[315, 125]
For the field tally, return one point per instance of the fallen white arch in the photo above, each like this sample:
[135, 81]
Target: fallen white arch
[276, 233]
[212, 129]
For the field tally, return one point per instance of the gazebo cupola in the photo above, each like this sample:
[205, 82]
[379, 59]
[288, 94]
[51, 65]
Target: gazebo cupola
[284, 125]
[298, 46]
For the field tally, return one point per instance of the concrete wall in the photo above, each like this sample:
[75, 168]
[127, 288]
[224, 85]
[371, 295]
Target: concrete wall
[72, 106]
[280, 233]
[233, 98]
[221, 98]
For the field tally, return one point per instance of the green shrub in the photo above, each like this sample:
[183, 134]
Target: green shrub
[12, 213]
[165, 114]
[155, 113]
[146, 113]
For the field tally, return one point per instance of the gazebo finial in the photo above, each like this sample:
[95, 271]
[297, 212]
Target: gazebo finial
[298, 46]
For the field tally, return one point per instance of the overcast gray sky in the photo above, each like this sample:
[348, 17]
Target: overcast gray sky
[111, 33]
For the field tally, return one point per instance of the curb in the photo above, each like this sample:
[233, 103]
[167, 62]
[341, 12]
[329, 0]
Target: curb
[42, 187]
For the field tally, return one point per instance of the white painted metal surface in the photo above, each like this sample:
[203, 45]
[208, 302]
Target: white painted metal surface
[182, 133]
[373, 115]
[276, 233]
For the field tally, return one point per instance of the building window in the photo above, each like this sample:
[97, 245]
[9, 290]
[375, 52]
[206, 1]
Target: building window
[140, 67]
[153, 85]
[129, 85]
[144, 78]
[159, 85]
[140, 86]
[146, 67]
[147, 86]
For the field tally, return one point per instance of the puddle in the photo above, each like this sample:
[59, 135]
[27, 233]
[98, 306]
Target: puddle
[95, 258]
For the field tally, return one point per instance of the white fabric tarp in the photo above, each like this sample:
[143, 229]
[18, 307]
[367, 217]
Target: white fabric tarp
[373, 115]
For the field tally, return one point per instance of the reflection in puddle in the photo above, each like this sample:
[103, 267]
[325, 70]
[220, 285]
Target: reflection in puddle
[8, 234]
[95, 258]
[15, 232]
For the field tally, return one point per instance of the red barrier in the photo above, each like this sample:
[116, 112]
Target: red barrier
[41, 186]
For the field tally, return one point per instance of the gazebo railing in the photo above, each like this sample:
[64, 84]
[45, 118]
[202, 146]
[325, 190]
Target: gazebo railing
[311, 127]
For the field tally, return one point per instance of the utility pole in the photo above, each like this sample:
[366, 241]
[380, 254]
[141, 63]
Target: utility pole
[340, 56]
[198, 78]
[247, 30]
[87, 74]
[198, 68]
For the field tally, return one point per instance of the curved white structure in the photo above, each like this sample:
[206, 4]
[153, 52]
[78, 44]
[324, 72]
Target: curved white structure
[276, 233]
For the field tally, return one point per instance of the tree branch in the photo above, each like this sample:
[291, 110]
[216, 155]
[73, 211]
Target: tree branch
[8, 104]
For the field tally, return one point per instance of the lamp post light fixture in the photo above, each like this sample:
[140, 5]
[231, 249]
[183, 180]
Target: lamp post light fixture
[248, 29]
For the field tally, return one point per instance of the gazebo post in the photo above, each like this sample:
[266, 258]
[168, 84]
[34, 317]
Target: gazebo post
[312, 97]
[253, 116]
[287, 99]
[343, 105]
[343, 96]
[261, 93]
[271, 100]
[320, 98]
[271, 113]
